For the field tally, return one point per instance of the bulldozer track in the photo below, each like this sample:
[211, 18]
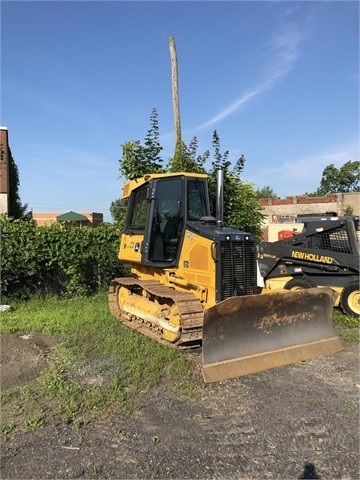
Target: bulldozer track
[189, 307]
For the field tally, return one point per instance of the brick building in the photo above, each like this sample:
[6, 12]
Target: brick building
[83, 219]
[281, 213]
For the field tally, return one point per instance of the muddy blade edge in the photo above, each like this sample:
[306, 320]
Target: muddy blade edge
[244, 335]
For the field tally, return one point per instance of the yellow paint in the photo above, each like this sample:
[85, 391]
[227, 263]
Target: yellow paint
[276, 283]
[195, 273]
[199, 257]
[133, 184]
[166, 317]
[196, 262]
[169, 336]
[130, 247]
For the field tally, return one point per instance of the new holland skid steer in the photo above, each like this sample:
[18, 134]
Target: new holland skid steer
[195, 283]
[325, 254]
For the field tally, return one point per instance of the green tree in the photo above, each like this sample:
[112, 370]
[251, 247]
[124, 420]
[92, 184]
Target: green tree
[132, 163]
[241, 207]
[152, 148]
[348, 210]
[340, 180]
[16, 209]
[220, 162]
[138, 159]
[244, 211]
[189, 160]
[118, 211]
[265, 192]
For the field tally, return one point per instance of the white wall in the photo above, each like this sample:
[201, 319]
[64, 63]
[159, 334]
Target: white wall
[3, 203]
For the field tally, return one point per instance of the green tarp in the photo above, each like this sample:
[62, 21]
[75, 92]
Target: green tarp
[71, 217]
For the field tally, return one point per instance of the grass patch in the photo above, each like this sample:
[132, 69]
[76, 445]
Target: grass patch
[97, 365]
[347, 328]
[348, 406]
[35, 422]
[6, 429]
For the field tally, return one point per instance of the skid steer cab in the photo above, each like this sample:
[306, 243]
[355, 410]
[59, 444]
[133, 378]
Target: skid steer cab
[194, 284]
[324, 254]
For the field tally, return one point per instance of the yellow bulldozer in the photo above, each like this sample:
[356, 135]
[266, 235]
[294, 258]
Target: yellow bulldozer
[196, 283]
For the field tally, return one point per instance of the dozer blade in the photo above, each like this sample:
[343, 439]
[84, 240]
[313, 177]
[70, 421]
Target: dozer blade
[248, 334]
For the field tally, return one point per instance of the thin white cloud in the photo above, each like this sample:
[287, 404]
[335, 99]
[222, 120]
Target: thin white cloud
[300, 175]
[231, 108]
[289, 11]
[280, 57]
[66, 158]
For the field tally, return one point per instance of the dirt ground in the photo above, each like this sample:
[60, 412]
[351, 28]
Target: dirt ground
[263, 426]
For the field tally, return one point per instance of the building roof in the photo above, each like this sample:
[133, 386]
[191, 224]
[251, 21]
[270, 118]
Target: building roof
[71, 217]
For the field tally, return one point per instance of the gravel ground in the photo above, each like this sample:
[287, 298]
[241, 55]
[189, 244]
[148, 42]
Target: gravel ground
[267, 425]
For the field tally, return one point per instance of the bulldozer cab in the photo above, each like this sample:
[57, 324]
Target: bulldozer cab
[157, 214]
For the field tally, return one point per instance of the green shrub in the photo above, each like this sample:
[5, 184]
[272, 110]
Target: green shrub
[57, 259]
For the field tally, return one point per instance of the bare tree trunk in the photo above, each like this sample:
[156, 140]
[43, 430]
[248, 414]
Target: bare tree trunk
[175, 95]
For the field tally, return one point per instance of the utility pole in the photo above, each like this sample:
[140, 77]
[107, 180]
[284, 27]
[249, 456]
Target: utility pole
[175, 97]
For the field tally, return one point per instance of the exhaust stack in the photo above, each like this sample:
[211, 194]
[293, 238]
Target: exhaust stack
[220, 198]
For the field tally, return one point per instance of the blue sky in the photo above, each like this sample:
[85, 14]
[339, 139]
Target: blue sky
[278, 80]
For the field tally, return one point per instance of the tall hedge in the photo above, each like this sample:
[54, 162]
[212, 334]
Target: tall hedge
[58, 259]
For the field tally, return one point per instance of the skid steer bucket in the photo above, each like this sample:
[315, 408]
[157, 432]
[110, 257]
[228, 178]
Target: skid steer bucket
[248, 334]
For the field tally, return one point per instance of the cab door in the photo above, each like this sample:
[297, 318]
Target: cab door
[166, 222]
[135, 227]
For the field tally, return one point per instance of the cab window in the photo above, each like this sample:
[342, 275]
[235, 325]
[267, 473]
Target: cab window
[138, 209]
[197, 207]
[167, 222]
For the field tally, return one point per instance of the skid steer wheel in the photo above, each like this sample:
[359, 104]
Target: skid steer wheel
[350, 300]
[299, 284]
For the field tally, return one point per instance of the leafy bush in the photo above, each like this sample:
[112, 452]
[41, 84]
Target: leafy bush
[57, 259]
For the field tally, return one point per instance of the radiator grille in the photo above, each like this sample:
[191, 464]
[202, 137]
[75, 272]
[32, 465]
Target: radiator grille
[238, 269]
